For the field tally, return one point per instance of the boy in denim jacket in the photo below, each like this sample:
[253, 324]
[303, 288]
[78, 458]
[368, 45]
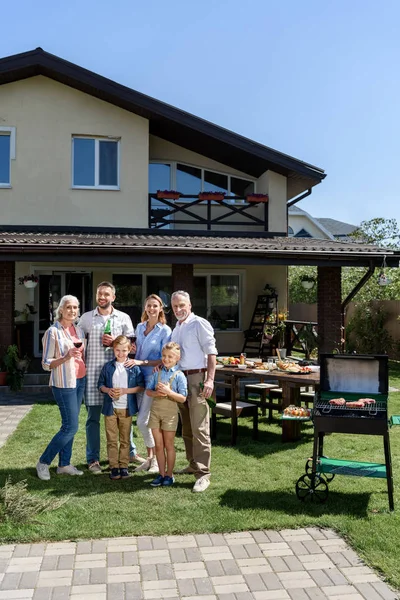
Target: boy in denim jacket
[119, 385]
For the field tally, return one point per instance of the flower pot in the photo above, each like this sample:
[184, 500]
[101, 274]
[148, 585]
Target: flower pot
[257, 198]
[30, 284]
[168, 195]
[212, 196]
[307, 285]
[3, 377]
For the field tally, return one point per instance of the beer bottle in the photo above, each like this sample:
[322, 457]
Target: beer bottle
[107, 330]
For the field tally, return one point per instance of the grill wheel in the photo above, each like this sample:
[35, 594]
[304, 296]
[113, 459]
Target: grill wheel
[308, 469]
[312, 488]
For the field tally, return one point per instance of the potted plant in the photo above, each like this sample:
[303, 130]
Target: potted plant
[307, 281]
[15, 376]
[257, 198]
[23, 315]
[168, 195]
[29, 281]
[217, 196]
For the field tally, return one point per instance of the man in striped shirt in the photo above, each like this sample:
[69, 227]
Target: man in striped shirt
[99, 351]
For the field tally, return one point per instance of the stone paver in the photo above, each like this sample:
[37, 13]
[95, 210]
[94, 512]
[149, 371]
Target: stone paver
[301, 564]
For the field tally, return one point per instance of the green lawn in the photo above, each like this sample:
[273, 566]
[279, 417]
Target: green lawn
[253, 487]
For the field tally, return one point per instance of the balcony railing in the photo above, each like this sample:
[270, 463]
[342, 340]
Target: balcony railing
[191, 212]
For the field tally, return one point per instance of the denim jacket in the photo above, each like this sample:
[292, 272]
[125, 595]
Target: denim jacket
[135, 378]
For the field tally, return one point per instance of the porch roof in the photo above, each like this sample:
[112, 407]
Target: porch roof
[144, 246]
[166, 121]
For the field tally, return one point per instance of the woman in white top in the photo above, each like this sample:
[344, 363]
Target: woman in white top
[63, 352]
[151, 335]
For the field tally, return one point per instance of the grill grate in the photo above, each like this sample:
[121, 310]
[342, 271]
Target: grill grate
[378, 409]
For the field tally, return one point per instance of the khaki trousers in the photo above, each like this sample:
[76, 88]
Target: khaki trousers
[119, 426]
[195, 417]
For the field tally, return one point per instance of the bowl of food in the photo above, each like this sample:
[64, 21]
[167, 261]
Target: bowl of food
[242, 367]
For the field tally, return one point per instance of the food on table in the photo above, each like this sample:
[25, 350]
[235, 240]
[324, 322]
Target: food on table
[337, 401]
[296, 411]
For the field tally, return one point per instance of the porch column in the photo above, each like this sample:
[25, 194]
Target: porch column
[7, 297]
[182, 278]
[329, 308]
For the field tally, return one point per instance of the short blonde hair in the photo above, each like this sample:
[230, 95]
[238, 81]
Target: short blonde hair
[172, 346]
[121, 340]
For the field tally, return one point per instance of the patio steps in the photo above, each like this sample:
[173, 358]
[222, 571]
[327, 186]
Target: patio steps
[36, 387]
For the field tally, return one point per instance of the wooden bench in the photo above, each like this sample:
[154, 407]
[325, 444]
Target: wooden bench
[266, 398]
[243, 409]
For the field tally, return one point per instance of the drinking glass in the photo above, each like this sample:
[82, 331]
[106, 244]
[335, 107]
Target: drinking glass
[270, 364]
[77, 344]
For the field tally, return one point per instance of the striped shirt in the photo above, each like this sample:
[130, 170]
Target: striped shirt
[56, 342]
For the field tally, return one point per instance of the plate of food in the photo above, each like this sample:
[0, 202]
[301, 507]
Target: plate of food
[219, 366]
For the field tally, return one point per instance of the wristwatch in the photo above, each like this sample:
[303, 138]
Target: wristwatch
[145, 362]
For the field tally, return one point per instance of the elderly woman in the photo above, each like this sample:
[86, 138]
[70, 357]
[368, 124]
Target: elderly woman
[63, 352]
[151, 335]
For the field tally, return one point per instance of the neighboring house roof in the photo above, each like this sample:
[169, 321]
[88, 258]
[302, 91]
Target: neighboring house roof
[166, 121]
[331, 228]
[111, 245]
[337, 228]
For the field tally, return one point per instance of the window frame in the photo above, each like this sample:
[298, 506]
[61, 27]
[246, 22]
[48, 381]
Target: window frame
[240, 273]
[173, 177]
[11, 133]
[97, 140]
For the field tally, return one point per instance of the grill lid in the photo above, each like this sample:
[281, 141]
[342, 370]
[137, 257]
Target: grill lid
[354, 374]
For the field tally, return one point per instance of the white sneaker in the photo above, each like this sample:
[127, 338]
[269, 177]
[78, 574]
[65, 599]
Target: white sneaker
[144, 466]
[68, 470]
[153, 466]
[201, 484]
[43, 471]
[135, 458]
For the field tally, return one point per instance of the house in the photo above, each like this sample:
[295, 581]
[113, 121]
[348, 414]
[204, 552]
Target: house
[302, 224]
[81, 160]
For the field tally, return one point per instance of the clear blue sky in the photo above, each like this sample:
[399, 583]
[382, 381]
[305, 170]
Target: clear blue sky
[316, 80]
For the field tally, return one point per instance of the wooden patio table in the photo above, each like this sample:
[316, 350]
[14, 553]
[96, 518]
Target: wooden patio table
[289, 382]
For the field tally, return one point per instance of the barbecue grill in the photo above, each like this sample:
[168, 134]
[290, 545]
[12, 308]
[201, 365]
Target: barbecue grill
[352, 399]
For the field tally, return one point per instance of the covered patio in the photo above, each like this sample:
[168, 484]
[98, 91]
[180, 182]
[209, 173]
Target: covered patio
[182, 252]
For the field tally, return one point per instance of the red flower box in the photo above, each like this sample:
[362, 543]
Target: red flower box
[218, 196]
[257, 198]
[168, 195]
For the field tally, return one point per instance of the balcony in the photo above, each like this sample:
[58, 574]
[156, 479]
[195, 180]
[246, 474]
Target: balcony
[197, 213]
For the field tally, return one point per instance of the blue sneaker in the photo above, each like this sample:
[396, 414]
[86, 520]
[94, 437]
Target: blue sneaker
[168, 481]
[115, 474]
[158, 481]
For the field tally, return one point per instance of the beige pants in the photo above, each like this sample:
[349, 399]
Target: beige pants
[118, 425]
[195, 417]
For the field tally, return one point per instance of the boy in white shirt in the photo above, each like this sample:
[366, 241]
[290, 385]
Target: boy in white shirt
[119, 384]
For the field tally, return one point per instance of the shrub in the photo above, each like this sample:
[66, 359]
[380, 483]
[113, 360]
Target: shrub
[20, 506]
[366, 333]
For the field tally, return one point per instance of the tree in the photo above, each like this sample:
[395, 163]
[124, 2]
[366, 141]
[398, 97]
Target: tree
[381, 232]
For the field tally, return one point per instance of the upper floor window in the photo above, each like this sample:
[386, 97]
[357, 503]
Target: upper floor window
[95, 163]
[190, 180]
[7, 153]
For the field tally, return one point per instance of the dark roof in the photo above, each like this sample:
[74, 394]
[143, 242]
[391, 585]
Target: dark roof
[337, 228]
[166, 121]
[172, 247]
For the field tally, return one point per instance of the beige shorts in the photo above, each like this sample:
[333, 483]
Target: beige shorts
[163, 415]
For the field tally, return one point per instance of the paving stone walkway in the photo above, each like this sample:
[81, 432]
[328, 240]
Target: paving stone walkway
[301, 564]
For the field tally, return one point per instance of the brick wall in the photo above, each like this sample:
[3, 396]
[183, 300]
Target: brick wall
[7, 294]
[329, 308]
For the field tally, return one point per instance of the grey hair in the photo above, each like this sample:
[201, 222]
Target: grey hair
[64, 300]
[181, 293]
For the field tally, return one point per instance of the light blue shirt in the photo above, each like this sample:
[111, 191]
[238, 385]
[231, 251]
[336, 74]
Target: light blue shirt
[178, 385]
[149, 347]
